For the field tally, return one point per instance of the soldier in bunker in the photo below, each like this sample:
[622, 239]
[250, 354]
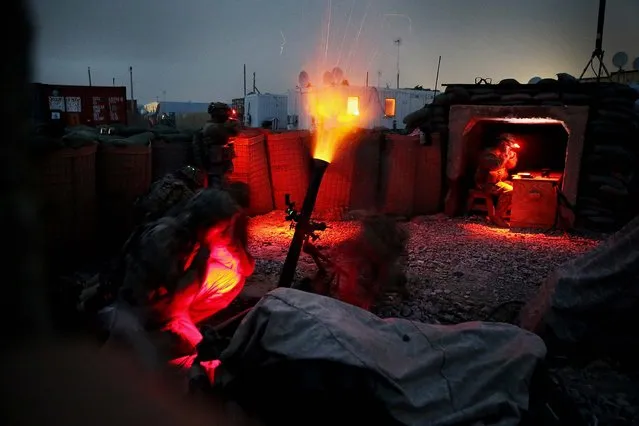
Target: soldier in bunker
[492, 173]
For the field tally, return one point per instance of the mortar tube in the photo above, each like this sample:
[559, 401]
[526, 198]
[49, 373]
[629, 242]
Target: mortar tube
[290, 264]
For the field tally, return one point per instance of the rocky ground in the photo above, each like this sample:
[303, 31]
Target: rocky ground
[460, 270]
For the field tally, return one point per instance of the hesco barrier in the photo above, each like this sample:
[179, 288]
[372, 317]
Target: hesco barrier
[67, 181]
[251, 169]
[428, 177]
[123, 174]
[398, 174]
[289, 159]
[411, 176]
[170, 152]
[351, 180]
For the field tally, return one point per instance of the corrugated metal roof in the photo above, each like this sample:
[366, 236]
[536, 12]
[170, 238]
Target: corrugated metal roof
[182, 107]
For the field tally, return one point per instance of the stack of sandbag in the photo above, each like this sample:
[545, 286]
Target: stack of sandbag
[610, 161]
[123, 175]
[66, 180]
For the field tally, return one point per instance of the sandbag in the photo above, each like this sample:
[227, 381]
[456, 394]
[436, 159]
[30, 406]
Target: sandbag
[140, 139]
[416, 373]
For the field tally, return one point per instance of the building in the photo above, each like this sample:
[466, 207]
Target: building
[374, 107]
[178, 108]
[265, 110]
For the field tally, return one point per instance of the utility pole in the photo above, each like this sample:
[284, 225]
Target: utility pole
[439, 63]
[244, 80]
[131, 81]
[89, 71]
[163, 95]
[398, 42]
[379, 77]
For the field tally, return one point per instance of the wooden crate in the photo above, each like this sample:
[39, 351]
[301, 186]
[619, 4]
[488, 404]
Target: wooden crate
[534, 202]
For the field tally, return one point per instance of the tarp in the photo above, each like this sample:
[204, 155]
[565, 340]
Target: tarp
[418, 374]
[593, 298]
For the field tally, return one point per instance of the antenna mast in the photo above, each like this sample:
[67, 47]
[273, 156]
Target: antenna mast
[598, 53]
[398, 42]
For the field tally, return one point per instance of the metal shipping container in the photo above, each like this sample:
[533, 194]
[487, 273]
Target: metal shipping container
[259, 108]
[371, 103]
[405, 102]
[364, 99]
[89, 105]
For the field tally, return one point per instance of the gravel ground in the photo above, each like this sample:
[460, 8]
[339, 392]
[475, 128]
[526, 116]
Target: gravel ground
[459, 270]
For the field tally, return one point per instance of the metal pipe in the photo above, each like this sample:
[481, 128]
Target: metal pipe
[439, 63]
[244, 80]
[290, 264]
[131, 81]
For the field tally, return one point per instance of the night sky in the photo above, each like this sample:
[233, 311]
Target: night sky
[194, 49]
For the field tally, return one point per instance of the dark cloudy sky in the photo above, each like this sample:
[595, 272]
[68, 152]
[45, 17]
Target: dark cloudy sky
[194, 49]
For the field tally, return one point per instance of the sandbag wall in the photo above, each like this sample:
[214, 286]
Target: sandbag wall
[411, 175]
[251, 169]
[289, 159]
[67, 183]
[372, 171]
[351, 180]
[123, 174]
[608, 190]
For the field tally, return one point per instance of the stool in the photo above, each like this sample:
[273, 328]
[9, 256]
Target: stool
[478, 201]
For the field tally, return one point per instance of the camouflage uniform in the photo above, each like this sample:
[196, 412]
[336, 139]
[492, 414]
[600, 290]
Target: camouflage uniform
[492, 171]
[168, 192]
[174, 278]
[211, 148]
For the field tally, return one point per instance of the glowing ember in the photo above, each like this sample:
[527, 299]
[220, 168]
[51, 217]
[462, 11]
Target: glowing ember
[336, 115]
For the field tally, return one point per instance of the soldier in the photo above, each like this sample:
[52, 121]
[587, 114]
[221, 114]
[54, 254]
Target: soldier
[169, 192]
[178, 271]
[492, 172]
[211, 148]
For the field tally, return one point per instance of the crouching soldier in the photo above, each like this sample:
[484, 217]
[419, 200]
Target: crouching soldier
[168, 192]
[177, 272]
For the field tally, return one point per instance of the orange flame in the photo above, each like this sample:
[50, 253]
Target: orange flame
[336, 116]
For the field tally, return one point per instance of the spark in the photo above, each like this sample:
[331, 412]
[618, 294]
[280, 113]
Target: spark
[328, 28]
[356, 43]
[283, 42]
[372, 59]
[399, 15]
[348, 23]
